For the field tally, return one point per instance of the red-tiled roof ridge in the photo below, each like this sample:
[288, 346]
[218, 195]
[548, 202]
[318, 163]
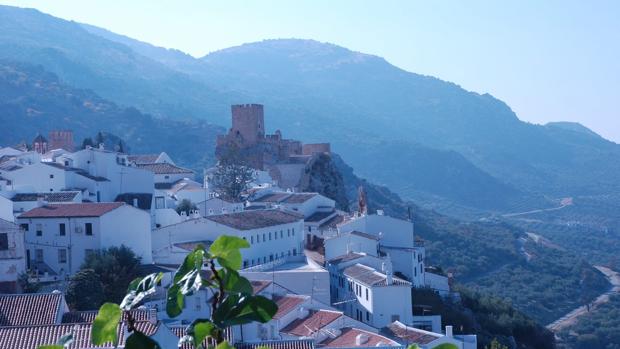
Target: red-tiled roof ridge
[259, 285]
[348, 338]
[30, 309]
[287, 303]
[410, 334]
[84, 209]
[316, 320]
[278, 344]
[88, 316]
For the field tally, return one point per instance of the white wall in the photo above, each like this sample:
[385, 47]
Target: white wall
[6, 209]
[345, 243]
[385, 306]
[12, 261]
[128, 226]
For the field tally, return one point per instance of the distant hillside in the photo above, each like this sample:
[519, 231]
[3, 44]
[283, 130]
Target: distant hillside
[33, 100]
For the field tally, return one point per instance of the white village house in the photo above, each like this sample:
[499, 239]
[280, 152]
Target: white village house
[59, 236]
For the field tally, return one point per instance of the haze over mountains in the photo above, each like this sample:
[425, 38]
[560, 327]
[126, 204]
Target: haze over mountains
[421, 136]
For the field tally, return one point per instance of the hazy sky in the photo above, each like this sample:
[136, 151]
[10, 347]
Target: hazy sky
[549, 60]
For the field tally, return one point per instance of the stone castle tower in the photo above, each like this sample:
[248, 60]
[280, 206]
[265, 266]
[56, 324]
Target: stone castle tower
[61, 140]
[248, 123]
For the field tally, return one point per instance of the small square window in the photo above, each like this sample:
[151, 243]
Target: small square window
[51, 176]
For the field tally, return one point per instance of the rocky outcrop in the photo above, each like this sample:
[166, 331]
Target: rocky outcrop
[322, 176]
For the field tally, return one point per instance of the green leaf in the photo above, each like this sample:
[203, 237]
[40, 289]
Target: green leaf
[139, 289]
[53, 346]
[193, 261]
[174, 301]
[226, 250]
[190, 283]
[105, 325]
[138, 340]
[224, 345]
[235, 283]
[239, 309]
[199, 330]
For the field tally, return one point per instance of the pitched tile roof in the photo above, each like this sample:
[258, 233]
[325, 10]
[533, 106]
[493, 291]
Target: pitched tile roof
[346, 257]
[73, 317]
[29, 309]
[31, 337]
[287, 303]
[349, 336]
[315, 321]
[370, 276]
[364, 235]
[254, 219]
[163, 168]
[60, 196]
[319, 216]
[259, 285]
[281, 344]
[143, 158]
[87, 209]
[410, 335]
[290, 198]
[191, 245]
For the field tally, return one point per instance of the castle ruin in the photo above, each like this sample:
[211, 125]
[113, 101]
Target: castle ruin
[284, 159]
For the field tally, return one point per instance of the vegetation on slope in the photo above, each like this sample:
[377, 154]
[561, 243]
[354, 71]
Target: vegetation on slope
[598, 329]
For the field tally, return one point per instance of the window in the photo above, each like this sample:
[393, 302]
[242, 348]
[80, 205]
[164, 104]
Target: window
[38, 255]
[51, 176]
[24, 226]
[89, 229]
[39, 230]
[159, 202]
[281, 234]
[269, 236]
[310, 229]
[51, 189]
[257, 238]
[62, 255]
[293, 230]
[366, 293]
[62, 229]
[264, 239]
[4, 242]
[245, 264]
[288, 232]
[252, 239]
[395, 318]
[275, 235]
[294, 252]
[167, 177]
[367, 316]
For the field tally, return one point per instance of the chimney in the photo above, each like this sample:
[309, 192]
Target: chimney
[101, 146]
[135, 202]
[360, 339]
[41, 201]
[448, 331]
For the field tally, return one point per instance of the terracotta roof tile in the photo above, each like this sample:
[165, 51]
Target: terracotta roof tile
[72, 317]
[61, 196]
[259, 285]
[163, 168]
[282, 344]
[315, 321]
[32, 337]
[349, 336]
[410, 334]
[287, 303]
[247, 220]
[29, 309]
[90, 209]
[140, 159]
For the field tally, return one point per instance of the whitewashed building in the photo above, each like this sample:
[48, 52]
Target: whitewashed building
[303, 203]
[12, 256]
[59, 236]
[272, 234]
[397, 239]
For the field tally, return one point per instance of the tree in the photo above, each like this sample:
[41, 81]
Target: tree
[26, 285]
[233, 301]
[85, 291]
[232, 176]
[120, 148]
[495, 344]
[99, 139]
[115, 267]
[185, 206]
[87, 142]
